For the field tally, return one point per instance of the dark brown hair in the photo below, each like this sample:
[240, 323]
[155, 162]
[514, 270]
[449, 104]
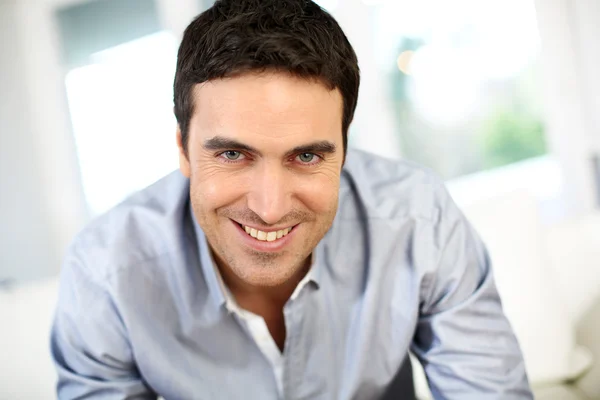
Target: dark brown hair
[234, 37]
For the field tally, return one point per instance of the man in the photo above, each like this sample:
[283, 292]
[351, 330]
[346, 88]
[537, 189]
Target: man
[277, 264]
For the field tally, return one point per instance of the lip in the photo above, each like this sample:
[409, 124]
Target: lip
[264, 246]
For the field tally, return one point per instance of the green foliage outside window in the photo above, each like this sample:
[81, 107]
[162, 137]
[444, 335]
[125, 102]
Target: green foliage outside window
[506, 129]
[509, 136]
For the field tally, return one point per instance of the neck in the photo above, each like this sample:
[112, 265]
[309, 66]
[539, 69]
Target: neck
[262, 300]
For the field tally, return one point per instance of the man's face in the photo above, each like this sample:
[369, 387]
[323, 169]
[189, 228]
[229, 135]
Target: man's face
[265, 154]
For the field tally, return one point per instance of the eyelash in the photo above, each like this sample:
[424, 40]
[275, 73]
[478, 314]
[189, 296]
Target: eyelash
[224, 159]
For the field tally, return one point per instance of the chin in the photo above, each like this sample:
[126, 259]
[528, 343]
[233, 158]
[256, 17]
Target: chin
[265, 270]
[266, 276]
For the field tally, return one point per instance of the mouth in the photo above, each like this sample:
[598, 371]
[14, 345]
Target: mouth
[266, 236]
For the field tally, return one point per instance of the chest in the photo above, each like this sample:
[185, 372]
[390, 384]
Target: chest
[345, 338]
[337, 346]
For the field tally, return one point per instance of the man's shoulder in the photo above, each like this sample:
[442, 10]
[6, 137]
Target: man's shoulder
[148, 224]
[391, 189]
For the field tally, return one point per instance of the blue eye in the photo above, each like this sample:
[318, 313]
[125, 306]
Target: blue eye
[232, 155]
[306, 157]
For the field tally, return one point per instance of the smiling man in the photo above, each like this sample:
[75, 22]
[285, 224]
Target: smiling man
[278, 264]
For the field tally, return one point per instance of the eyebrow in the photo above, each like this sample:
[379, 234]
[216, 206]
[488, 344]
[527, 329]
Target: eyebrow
[222, 143]
[322, 146]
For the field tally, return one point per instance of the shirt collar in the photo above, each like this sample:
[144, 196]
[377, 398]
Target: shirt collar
[219, 291]
[208, 266]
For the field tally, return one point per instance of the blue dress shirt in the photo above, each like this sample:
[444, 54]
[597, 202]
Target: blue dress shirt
[141, 312]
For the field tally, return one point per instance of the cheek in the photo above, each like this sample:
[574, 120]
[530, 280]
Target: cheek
[320, 195]
[213, 192]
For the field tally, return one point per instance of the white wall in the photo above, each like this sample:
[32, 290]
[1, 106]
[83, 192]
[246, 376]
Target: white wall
[373, 128]
[20, 214]
[587, 28]
[41, 204]
[175, 15]
[567, 77]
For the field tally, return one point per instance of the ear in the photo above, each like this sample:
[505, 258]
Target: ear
[184, 162]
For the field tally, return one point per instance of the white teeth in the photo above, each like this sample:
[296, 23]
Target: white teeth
[267, 236]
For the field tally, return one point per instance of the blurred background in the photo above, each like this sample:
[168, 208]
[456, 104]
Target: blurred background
[503, 91]
[497, 96]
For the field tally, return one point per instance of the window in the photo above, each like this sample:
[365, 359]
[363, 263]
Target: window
[462, 79]
[121, 110]
[120, 67]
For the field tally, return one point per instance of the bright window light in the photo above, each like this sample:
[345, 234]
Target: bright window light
[328, 5]
[463, 87]
[122, 113]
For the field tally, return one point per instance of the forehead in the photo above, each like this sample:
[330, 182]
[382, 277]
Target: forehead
[267, 106]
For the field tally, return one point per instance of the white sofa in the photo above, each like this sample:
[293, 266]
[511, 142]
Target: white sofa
[549, 279]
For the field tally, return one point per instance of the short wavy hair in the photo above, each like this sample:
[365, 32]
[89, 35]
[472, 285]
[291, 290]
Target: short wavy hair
[234, 37]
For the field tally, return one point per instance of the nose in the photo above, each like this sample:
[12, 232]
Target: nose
[269, 196]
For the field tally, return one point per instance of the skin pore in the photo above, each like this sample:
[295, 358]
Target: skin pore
[265, 152]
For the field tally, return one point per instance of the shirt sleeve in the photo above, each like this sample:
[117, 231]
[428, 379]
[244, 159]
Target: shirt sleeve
[463, 339]
[89, 342]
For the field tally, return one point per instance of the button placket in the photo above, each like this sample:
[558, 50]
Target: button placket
[293, 373]
[287, 348]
